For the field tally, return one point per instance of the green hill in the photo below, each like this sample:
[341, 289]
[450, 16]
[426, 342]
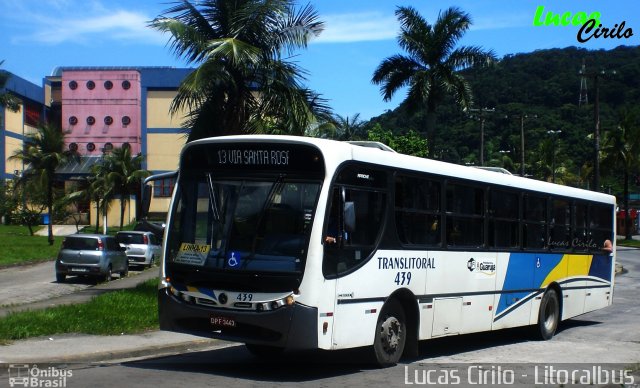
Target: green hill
[546, 84]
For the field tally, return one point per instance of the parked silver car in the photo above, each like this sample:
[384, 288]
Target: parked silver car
[142, 247]
[91, 255]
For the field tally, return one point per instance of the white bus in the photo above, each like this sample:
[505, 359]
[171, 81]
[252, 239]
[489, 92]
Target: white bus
[290, 242]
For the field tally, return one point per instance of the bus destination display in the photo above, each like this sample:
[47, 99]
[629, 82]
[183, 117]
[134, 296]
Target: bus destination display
[253, 157]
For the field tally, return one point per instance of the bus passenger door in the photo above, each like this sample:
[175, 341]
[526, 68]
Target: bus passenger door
[352, 230]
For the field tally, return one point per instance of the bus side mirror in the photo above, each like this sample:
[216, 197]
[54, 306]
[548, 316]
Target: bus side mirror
[146, 200]
[349, 217]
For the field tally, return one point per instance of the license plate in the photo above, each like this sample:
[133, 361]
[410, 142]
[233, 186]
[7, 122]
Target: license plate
[223, 321]
[79, 270]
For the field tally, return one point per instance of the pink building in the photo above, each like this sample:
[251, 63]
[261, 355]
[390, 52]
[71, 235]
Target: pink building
[101, 109]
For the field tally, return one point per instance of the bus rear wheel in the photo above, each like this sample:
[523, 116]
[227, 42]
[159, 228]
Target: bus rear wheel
[391, 334]
[549, 315]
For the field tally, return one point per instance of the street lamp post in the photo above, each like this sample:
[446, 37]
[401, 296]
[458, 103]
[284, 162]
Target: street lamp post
[553, 163]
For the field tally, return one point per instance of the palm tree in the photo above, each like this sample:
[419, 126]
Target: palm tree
[125, 175]
[7, 100]
[42, 153]
[621, 151]
[100, 190]
[340, 128]
[242, 83]
[350, 128]
[431, 68]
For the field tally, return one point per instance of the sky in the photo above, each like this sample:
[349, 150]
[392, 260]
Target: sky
[37, 36]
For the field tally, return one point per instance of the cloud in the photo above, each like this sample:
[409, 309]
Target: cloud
[358, 27]
[377, 26]
[62, 25]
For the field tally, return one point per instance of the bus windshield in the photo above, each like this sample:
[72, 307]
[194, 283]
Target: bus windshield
[256, 225]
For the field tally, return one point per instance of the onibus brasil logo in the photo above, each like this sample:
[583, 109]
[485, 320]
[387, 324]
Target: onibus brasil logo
[23, 375]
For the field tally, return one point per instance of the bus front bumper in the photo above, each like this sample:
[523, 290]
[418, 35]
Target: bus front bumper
[292, 327]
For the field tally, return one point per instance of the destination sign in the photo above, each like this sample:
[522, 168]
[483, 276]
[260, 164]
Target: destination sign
[244, 157]
[253, 157]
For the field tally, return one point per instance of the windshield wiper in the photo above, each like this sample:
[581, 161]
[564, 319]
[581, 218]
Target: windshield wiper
[212, 198]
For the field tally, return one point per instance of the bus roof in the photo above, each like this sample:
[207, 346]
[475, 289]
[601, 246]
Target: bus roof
[337, 152]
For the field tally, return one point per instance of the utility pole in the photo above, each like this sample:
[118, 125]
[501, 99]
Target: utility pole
[584, 97]
[553, 163]
[596, 118]
[522, 117]
[482, 119]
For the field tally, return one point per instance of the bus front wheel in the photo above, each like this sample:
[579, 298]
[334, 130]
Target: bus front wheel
[549, 315]
[391, 334]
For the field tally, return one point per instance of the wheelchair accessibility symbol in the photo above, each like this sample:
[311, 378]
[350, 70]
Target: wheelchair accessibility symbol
[233, 260]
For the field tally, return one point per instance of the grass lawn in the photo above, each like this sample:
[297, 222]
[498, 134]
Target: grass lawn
[628, 243]
[17, 246]
[126, 311]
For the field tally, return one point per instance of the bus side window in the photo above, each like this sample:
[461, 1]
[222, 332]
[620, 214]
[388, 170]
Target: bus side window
[346, 248]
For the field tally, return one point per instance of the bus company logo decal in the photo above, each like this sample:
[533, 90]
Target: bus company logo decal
[486, 267]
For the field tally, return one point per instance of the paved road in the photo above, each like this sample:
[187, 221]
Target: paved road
[611, 335]
[31, 283]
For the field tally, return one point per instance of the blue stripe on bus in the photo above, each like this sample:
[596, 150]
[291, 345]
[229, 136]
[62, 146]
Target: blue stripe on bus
[525, 271]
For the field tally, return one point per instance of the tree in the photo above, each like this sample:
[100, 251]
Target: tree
[7, 100]
[410, 144]
[242, 83]
[100, 190]
[431, 68]
[124, 174]
[621, 151]
[42, 153]
[339, 127]
[349, 128]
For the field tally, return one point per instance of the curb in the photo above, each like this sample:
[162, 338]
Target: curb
[127, 352]
[139, 353]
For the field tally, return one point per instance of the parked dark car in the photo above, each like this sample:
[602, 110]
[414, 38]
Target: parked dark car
[91, 255]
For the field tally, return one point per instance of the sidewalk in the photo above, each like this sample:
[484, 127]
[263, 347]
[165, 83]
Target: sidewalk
[65, 348]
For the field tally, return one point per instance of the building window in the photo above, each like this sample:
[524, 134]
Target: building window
[73, 85]
[163, 187]
[108, 147]
[126, 145]
[73, 147]
[91, 120]
[91, 85]
[126, 120]
[32, 114]
[108, 120]
[126, 85]
[108, 85]
[73, 120]
[91, 147]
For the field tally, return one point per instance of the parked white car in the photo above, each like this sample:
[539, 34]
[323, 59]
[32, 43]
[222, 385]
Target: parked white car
[142, 248]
